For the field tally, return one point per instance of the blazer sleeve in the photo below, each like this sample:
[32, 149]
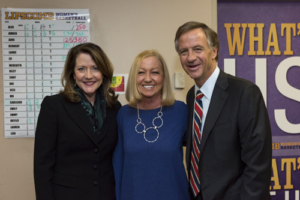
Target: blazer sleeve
[118, 158]
[44, 150]
[256, 144]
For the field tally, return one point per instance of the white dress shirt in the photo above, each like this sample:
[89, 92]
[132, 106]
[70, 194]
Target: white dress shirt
[207, 89]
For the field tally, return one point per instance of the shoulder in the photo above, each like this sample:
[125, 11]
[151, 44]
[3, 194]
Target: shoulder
[114, 109]
[177, 113]
[51, 105]
[124, 108]
[124, 112]
[53, 99]
[240, 84]
[238, 81]
[117, 106]
[235, 81]
[179, 106]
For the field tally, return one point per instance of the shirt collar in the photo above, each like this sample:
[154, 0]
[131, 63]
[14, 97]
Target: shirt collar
[209, 85]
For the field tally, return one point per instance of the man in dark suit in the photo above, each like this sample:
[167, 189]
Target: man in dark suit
[235, 144]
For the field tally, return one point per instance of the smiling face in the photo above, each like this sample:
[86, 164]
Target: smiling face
[196, 57]
[150, 79]
[87, 76]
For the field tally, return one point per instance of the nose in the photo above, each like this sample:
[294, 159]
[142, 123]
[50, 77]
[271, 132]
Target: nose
[88, 74]
[147, 77]
[191, 56]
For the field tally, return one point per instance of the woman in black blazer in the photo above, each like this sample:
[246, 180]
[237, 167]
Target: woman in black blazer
[77, 131]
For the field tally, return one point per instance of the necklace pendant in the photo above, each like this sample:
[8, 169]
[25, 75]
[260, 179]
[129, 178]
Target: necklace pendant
[140, 125]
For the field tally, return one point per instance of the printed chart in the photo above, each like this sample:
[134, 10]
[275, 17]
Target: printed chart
[35, 43]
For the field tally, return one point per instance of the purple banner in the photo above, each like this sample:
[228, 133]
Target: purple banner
[260, 41]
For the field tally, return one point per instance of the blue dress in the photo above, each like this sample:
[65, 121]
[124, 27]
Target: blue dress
[151, 170]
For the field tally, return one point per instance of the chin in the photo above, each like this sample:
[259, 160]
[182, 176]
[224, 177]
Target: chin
[148, 95]
[89, 92]
[194, 75]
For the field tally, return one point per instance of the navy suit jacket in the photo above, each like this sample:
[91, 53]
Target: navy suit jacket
[71, 162]
[236, 145]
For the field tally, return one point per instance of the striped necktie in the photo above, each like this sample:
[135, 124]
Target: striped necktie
[194, 172]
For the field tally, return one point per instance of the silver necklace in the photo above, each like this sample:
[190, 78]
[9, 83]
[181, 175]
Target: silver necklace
[144, 131]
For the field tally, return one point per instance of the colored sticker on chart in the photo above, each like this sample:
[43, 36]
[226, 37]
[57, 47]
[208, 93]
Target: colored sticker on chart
[118, 83]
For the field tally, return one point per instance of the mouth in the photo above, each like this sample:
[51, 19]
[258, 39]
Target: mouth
[89, 83]
[148, 86]
[193, 66]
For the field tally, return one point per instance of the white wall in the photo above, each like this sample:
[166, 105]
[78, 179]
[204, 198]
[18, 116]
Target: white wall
[123, 28]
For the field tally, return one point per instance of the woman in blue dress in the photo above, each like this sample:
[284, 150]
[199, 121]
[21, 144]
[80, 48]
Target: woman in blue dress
[148, 159]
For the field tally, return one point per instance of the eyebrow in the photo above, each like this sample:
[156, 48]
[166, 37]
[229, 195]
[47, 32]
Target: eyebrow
[151, 68]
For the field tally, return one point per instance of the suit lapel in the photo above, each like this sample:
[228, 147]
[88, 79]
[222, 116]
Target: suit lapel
[190, 103]
[218, 100]
[78, 114]
[189, 134]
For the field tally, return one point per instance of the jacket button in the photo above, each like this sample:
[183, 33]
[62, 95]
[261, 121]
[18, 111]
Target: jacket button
[95, 166]
[96, 150]
[95, 183]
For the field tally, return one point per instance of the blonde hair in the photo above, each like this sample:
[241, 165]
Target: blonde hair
[133, 95]
[102, 62]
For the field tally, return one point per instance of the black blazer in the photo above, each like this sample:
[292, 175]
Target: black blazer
[71, 162]
[236, 145]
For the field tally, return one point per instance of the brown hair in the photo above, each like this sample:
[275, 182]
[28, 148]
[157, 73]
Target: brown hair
[133, 95]
[211, 35]
[102, 62]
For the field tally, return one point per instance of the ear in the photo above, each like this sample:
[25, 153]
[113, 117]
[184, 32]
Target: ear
[214, 52]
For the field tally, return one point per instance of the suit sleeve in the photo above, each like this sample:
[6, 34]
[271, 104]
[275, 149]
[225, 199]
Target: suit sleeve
[256, 144]
[44, 150]
[118, 158]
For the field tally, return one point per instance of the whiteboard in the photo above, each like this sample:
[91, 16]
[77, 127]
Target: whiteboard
[35, 43]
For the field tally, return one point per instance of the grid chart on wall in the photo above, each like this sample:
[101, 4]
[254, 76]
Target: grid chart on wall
[35, 43]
